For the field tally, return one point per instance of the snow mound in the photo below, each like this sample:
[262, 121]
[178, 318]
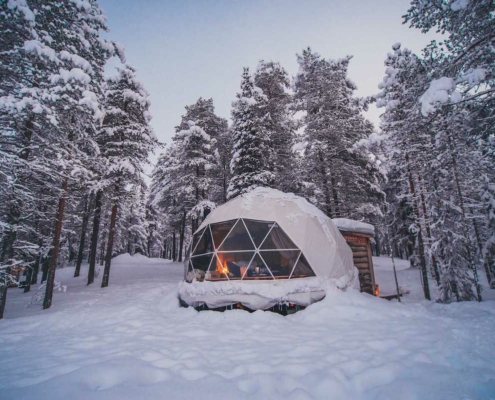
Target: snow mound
[122, 259]
[132, 341]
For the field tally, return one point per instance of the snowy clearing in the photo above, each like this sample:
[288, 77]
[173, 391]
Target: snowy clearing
[132, 341]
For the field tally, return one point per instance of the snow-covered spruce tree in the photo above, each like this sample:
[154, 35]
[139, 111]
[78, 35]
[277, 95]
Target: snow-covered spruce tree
[54, 103]
[464, 77]
[279, 127]
[406, 148]
[189, 178]
[17, 110]
[421, 170]
[132, 235]
[125, 140]
[250, 164]
[342, 179]
[468, 62]
[74, 29]
[165, 192]
[202, 114]
[154, 239]
[193, 152]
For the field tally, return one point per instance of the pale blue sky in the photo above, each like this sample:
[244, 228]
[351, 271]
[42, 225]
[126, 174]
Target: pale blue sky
[186, 49]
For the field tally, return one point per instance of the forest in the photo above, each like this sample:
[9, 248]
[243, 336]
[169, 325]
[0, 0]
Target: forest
[75, 144]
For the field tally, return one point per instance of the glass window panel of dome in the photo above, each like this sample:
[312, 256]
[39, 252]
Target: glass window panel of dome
[196, 238]
[302, 268]
[216, 272]
[234, 265]
[258, 229]
[189, 272]
[277, 239]
[205, 244]
[237, 239]
[220, 231]
[257, 270]
[280, 262]
[188, 251]
[201, 265]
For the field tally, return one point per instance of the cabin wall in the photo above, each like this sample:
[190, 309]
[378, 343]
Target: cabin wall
[360, 245]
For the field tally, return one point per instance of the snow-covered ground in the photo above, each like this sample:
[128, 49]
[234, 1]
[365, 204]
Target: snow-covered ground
[132, 341]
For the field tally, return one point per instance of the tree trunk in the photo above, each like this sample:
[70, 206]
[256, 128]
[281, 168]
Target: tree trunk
[44, 267]
[102, 253]
[50, 280]
[111, 232]
[436, 271]
[326, 189]
[72, 253]
[182, 232]
[34, 275]
[3, 293]
[335, 194]
[377, 243]
[84, 227]
[27, 282]
[8, 244]
[463, 214]
[480, 248]
[421, 249]
[174, 246]
[94, 237]
[225, 186]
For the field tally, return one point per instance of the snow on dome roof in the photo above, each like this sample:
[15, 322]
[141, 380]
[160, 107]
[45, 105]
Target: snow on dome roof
[351, 225]
[308, 227]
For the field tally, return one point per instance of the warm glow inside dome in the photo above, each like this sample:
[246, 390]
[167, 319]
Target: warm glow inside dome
[245, 249]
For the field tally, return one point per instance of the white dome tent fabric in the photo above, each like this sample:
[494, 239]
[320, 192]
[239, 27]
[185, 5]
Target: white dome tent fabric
[265, 248]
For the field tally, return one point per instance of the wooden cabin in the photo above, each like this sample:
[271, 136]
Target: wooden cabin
[358, 236]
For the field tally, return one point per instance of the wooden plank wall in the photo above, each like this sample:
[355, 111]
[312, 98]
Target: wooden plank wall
[360, 245]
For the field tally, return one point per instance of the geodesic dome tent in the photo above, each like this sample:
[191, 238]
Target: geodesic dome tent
[265, 248]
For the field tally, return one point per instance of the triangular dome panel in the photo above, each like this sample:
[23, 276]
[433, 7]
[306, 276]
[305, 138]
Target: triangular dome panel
[220, 231]
[280, 262]
[237, 239]
[302, 268]
[277, 239]
[257, 270]
[258, 230]
[205, 244]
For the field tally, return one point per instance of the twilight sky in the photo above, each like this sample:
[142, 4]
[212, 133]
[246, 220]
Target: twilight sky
[184, 49]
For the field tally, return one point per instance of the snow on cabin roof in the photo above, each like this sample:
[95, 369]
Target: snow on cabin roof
[351, 225]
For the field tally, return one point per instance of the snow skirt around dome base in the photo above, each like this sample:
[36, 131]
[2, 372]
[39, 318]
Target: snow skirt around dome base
[254, 295]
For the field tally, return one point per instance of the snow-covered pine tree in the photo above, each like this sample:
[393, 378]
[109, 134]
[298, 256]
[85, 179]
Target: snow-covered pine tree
[125, 140]
[55, 70]
[19, 71]
[342, 178]
[279, 127]
[202, 114]
[406, 146]
[425, 171]
[194, 154]
[74, 30]
[165, 196]
[132, 235]
[250, 164]
[464, 80]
